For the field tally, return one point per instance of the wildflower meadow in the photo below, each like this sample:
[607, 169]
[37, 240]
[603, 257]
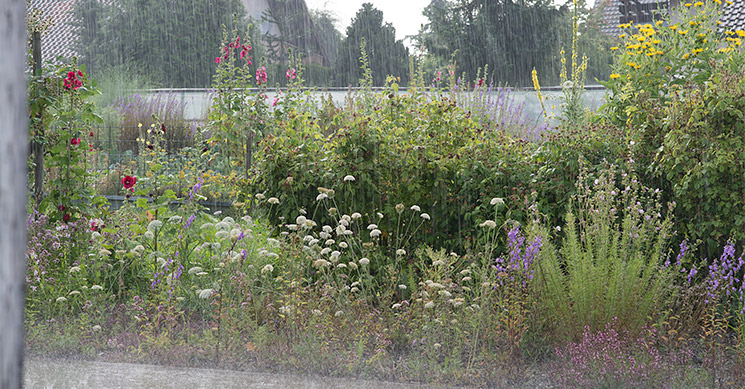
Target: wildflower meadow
[432, 232]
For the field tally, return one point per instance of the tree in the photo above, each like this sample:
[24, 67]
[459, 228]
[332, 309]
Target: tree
[387, 55]
[172, 42]
[330, 37]
[13, 135]
[510, 36]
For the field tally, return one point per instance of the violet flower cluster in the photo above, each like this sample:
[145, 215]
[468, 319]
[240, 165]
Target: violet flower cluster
[518, 263]
[726, 278]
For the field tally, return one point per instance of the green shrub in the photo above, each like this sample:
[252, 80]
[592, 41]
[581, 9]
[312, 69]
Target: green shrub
[677, 91]
[610, 263]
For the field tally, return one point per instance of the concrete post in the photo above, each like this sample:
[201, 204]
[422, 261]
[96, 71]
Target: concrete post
[13, 189]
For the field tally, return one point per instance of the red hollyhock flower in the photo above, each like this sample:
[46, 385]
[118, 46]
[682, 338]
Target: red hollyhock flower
[75, 141]
[61, 208]
[92, 134]
[129, 182]
[218, 60]
[66, 218]
[163, 128]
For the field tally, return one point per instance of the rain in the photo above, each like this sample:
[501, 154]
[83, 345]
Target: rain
[333, 193]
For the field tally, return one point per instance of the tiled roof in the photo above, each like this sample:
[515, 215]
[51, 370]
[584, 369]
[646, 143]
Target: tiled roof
[59, 39]
[612, 16]
[733, 15]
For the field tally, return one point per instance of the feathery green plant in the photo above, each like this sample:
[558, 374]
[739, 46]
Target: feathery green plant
[611, 263]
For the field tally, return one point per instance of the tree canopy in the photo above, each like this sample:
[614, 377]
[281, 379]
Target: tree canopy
[387, 56]
[511, 36]
[172, 42]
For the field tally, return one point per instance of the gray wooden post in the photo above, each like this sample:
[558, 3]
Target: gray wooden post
[13, 154]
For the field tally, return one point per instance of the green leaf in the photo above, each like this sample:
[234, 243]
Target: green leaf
[141, 203]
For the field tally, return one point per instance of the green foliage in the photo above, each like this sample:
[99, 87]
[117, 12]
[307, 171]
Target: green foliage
[167, 41]
[62, 119]
[388, 56]
[657, 63]
[609, 265]
[675, 90]
[236, 115]
[511, 37]
[701, 160]
[401, 150]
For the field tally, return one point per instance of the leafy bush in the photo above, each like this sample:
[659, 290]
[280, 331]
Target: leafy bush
[676, 89]
[402, 149]
[701, 161]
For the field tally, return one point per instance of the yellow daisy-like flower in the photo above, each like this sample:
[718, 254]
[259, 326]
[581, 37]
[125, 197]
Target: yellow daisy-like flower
[683, 32]
[614, 76]
[740, 33]
[686, 55]
[614, 48]
[674, 27]
[689, 5]
[659, 22]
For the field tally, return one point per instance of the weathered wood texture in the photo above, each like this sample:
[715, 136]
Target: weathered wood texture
[13, 154]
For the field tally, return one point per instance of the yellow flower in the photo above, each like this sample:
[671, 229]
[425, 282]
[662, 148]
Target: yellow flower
[693, 23]
[614, 48]
[685, 56]
[659, 22]
[674, 27]
[689, 5]
[683, 32]
[614, 76]
[699, 4]
[622, 36]
[740, 33]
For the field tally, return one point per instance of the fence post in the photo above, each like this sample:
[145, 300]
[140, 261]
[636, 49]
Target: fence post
[37, 146]
[13, 170]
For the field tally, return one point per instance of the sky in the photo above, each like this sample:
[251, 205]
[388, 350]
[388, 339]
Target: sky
[405, 15]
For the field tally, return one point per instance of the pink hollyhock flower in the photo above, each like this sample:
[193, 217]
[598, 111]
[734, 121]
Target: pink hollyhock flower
[75, 141]
[261, 75]
[218, 60]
